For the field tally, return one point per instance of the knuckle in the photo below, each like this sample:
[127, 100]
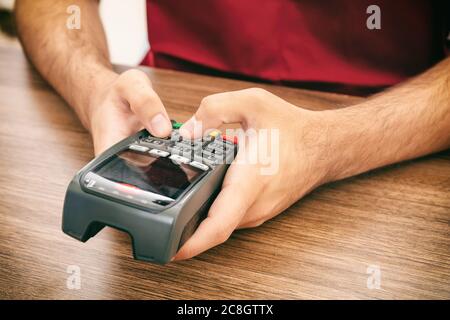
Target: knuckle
[120, 85]
[258, 99]
[222, 235]
[256, 223]
[142, 100]
[252, 224]
[256, 92]
[134, 79]
[207, 104]
[137, 102]
[133, 74]
[206, 101]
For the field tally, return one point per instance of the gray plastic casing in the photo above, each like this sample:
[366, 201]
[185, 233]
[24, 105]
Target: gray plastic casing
[156, 235]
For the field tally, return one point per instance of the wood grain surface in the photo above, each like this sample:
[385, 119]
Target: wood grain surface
[396, 218]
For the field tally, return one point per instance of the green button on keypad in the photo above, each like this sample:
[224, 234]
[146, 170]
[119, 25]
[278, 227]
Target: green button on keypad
[176, 125]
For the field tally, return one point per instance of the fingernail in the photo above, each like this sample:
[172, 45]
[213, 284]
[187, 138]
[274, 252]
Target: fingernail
[187, 129]
[160, 125]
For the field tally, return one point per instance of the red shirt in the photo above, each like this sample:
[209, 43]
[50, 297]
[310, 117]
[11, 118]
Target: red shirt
[298, 42]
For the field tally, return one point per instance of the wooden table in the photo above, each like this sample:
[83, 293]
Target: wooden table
[395, 219]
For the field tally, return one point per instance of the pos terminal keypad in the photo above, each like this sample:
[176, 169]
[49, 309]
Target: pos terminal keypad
[203, 153]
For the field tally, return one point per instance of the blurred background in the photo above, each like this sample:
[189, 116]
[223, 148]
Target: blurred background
[125, 24]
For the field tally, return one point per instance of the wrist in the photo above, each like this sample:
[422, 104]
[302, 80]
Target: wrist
[96, 91]
[348, 139]
[317, 145]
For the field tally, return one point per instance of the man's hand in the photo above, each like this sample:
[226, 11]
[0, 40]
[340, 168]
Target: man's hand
[248, 198]
[76, 63]
[125, 104]
[405, 122]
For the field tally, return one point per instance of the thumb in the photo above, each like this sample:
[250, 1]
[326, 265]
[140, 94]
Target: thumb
[217, 109]
[136, 89]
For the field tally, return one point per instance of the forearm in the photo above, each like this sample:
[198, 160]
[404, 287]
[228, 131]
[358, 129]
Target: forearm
[405, 122]
[73, 61]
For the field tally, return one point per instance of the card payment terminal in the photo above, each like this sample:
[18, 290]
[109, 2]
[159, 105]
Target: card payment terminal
[157, 190]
